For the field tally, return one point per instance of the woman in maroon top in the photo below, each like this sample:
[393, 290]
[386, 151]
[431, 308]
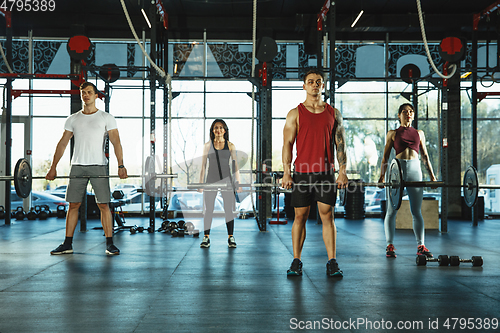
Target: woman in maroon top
[407, 143]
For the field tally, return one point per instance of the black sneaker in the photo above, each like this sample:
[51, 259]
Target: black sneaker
[295, 268]
[205, 242]
[390, 251]
[113, 250]
[423, 251]
[62, 249]
[332, 268]
[231, 242]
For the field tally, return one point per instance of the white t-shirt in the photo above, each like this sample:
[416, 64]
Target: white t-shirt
[89, 131]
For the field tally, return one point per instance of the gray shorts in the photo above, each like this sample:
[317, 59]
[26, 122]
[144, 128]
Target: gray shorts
[77, 187]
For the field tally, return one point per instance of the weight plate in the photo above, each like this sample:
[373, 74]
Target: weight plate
[149, 176]
[421, 260]
[267, 49]
[470, 186]
[477, 261]
[454, 261]
[396, 187]
[110, 72]
[22, 178]
[342, 196]
[443, 260]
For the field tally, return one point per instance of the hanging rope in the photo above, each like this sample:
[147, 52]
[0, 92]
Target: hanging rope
[424, 38]
[161, 72]
[5, 59]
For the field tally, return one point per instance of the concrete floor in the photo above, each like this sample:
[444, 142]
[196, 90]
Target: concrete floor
[165, 284]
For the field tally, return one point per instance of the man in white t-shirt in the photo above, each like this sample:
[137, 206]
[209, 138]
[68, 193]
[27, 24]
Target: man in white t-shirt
[89, 127]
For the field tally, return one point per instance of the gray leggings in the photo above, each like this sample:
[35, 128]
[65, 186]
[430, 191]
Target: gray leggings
[411, 172]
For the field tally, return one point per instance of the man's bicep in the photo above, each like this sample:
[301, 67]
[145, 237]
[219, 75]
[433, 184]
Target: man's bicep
[113, 136]
[290, 129]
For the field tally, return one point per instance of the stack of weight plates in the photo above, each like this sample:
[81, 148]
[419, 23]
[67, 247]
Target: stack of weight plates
[355, 200]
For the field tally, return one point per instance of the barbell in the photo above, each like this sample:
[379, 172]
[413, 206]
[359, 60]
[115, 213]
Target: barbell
[23, 182]
[23, 177]
[395, 184]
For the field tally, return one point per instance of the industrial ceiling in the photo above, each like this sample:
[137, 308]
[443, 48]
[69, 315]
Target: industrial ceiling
[395, 20]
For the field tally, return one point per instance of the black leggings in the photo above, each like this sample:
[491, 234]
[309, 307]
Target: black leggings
[209, 198]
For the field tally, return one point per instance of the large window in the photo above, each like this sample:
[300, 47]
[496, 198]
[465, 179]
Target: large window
[210, 81]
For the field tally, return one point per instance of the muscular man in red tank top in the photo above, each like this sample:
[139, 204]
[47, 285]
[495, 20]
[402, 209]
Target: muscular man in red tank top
[316, 126]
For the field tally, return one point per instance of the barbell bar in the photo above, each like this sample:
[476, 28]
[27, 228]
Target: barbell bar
[23, 176]
[395, 184]
[23, 182]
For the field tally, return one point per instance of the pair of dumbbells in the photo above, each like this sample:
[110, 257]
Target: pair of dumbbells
[444, 260]
[136, 229]
[179, 229]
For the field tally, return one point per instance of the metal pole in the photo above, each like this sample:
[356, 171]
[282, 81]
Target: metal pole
[475, 211]
[332, 52]
[152, 86]
[8, 127]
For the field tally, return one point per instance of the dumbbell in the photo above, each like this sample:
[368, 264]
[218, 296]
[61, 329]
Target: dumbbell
[189, 226]
[171, 226]
[180, 224]
[422, 260]
[2, 212]
[164, 226]
[477, 261]
[134, 229]
[190, 229]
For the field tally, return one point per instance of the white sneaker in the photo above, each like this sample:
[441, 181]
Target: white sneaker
[231, 242]
[206, 242]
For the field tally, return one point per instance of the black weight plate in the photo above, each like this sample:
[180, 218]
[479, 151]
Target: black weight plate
[470, 186]
[477, 261]
[409, 72]
[110, 72]
[443, 260]
[22, 178]
[266, 49]
[396, 181]
[421, 260]
[454, 261]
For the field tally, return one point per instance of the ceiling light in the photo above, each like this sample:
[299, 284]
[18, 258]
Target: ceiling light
[357, 18]
[465, 75]
[146, 18]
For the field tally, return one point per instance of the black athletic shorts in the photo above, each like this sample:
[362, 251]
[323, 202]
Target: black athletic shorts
[303, 196]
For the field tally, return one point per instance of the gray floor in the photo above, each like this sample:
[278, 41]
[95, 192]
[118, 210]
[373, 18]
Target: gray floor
[165, 284]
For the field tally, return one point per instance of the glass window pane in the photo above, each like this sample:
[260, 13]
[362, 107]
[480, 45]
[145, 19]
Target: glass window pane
[225, 105]
[188, 105]
[229, 86]
[365, 146]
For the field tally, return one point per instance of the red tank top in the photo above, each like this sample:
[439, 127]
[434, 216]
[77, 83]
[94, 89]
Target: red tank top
[406, 137]
[314, 140]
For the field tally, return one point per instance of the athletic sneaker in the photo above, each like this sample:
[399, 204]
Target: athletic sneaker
[390, 251]
[206, 242]
[113, 250]
[295, 268]
[62, 249]
[332, 268]
[231, 242]
[423, 251]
